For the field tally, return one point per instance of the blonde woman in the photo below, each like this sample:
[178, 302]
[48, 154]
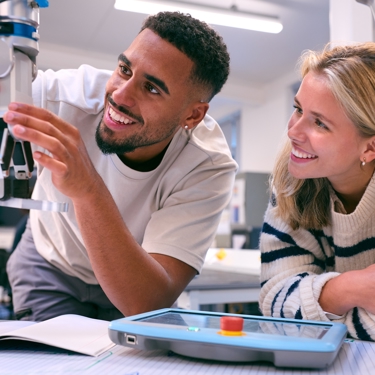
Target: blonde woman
[318, 237]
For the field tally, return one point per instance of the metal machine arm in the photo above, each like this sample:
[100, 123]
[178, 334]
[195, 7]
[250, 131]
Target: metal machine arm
[19, 22]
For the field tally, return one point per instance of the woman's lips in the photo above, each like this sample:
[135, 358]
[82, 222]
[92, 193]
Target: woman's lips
[302, 154]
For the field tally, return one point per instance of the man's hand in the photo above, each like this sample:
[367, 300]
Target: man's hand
[72, 171]
[133, 280]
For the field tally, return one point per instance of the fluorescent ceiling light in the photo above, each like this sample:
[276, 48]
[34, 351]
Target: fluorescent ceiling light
[211, 15]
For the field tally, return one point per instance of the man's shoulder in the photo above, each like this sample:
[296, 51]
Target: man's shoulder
[83, 88]
[83, 72]
[209, 138]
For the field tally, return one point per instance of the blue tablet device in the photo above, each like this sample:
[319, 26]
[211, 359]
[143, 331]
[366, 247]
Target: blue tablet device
[219, 336]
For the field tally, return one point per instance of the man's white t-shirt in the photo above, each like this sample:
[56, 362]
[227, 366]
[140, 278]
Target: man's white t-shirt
[173, 210]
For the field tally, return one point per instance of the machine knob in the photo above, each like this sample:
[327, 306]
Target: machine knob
[231, 326]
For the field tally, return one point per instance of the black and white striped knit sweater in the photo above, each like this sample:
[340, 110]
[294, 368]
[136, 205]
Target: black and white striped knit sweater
[297, 263]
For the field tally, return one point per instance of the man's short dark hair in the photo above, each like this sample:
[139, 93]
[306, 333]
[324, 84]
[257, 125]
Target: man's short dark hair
[199, 42]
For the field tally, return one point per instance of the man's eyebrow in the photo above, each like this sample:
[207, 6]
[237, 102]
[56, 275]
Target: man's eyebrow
[124, 59]
[158, 82]
[151, 78]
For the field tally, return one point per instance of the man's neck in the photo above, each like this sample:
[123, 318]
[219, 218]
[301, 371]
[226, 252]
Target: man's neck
[144, 166]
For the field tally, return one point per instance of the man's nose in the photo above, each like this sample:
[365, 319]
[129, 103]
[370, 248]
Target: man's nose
[125, 93]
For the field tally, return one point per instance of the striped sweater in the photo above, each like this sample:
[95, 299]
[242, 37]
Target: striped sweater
[297, 263]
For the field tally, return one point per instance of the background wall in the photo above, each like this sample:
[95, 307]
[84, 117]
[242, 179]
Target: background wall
[263, 76]
[262, 64]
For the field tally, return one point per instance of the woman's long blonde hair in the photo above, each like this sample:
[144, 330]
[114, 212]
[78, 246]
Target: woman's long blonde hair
[350, 72]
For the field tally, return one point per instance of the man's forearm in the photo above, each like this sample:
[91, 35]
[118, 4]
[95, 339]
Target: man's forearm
[132, 279]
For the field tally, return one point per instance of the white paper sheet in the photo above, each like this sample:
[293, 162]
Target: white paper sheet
[10, 325]
[71, 332]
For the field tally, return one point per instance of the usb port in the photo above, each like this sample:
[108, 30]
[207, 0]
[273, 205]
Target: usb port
[130, 339]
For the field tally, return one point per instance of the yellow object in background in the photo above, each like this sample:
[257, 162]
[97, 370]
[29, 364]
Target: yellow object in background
[221, 254]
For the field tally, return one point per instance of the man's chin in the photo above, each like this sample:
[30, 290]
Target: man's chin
[108, 147]
[102, 132]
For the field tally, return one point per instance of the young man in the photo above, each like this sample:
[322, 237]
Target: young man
[145, 171]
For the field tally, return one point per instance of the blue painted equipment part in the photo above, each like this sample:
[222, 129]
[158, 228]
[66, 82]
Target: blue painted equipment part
[17, 29]
[43, 3]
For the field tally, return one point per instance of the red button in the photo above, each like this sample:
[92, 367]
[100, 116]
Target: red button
[231, 323]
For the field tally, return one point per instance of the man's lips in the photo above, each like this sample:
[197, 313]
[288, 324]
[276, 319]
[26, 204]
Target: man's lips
[115, 122]
[122, 112]
[117, 117]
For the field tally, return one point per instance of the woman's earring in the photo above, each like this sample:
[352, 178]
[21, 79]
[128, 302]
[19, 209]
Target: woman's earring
[363, 162]
[186, 127]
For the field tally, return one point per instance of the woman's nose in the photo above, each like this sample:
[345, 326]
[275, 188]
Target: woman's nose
[296, 129]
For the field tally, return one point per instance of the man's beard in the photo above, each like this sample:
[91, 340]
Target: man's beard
[125, 145]
[119, 147]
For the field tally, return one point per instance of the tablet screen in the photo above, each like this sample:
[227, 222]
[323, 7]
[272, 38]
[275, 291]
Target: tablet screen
[274, 327]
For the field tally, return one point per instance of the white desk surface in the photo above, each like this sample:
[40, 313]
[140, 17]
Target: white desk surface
[228, 276]
[244, 261]
[354, 358]
[7, 237]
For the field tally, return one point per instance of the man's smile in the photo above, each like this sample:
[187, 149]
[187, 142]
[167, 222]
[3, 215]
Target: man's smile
[121, 114]
[115, 116]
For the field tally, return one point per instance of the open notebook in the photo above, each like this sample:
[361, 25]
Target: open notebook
[71, 332]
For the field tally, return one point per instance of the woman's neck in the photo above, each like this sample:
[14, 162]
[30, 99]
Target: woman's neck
[351, 193]
[350, 202]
